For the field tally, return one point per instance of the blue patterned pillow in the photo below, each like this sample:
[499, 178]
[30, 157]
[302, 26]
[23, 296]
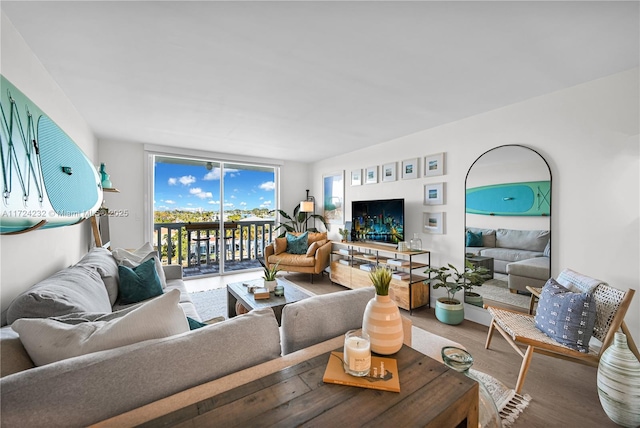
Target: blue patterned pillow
[297, 244]
[474, 239]
[565, 316]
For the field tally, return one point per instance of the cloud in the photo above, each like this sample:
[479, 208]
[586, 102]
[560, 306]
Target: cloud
[265, 204]
[268, 186]
[197, 191]
[169, 201]
[243, 204]
[172, 181]
[214, 174]
[228, 205]
[186, 180]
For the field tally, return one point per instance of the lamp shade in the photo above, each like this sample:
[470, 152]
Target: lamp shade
[306, 206]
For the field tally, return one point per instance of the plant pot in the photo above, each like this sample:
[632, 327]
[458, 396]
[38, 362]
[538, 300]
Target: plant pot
[473, 298]
[383, 323]
[270, 285]
[449, 311]
[618, 383]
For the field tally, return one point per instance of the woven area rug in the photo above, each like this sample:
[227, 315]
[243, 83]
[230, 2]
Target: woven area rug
[210, 304]
[497, 290]
[509, 404]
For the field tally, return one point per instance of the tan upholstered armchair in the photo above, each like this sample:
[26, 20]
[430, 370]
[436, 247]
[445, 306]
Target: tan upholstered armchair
[314, 261]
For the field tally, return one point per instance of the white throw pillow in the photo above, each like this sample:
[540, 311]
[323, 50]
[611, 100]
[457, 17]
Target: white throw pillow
[48, 340]
[133, 259]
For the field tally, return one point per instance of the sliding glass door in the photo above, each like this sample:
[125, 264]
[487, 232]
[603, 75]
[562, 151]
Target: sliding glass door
[210, 216]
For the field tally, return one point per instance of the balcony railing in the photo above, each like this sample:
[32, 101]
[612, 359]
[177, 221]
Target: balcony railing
[200, 248]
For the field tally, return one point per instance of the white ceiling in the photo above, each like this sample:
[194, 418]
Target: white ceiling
[309, 80]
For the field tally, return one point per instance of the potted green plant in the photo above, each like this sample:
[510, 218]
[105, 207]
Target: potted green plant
[297, 222]
[475, 276]
[450, 310]
[269, 275]
[381, 319]
[344, 233]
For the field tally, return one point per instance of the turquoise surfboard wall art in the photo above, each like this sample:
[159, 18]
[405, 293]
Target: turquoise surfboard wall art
[47, 181]
[531, 198]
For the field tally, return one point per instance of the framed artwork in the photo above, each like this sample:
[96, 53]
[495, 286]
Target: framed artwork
[356, 177]
[433, 223]
[434, 194]
[333, 197]
[410, 169]
[389, 172]
[371, 175]
[434, 165]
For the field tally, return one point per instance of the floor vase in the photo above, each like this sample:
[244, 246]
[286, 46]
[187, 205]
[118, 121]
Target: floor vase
[383, 324]
[619, 383]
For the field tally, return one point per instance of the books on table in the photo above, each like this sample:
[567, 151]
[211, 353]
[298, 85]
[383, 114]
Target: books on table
[383, 374]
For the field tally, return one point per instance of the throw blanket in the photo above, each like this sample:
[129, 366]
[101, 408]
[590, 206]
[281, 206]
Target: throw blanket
[578, 282]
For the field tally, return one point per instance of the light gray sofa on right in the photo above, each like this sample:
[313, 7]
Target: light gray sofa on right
[523, 255]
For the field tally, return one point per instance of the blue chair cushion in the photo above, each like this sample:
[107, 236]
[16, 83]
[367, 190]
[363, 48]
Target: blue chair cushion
[297, 244]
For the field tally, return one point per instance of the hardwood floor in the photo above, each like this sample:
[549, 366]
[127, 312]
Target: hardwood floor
[564, 394]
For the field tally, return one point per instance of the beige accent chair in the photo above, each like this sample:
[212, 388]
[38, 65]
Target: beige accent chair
[315, 261]
[519, 329]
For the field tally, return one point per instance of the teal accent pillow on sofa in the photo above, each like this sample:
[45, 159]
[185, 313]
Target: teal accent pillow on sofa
[297, 244]
[139, 283]
[474, 239]
[565, 316]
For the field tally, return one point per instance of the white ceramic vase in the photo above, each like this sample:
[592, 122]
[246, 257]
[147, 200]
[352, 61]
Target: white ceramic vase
[619, 383]
[270, 285]
[383, 324]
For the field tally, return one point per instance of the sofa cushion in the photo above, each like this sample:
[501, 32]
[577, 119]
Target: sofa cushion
[74, 289]
[279, 245]
[297, 244]
[139, 283]
[318, 318]
[509, 254]
[134, 258]
[313, 247]
[102, 260]
[488, 236]
[474, 239]
[566, 316]
[547, 249]
[315, 237]
[286, 259]
[537, 267]
[13, 356]
[48, 340]
[531, 240]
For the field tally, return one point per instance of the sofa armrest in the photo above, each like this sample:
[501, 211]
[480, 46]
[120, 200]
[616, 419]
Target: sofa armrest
[322, 257]
[83, 390]
[172, 271]
[268, 251]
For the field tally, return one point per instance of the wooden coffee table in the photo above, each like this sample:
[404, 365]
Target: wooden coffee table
[238, 292]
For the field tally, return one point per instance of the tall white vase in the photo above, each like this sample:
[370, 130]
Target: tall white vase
[619, 383]
[383, 324]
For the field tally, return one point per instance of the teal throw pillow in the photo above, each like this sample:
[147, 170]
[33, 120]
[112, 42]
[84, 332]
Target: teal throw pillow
[194, 324]
[566, 316]
[139, 283]
[474, 239]
[297, 244]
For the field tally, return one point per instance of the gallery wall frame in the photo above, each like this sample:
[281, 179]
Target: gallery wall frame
[356, 177]
[389, 172]
[371, 175]
[434, 165]
[434, 194]
[433, 223]
[410, 168]
[333, 197]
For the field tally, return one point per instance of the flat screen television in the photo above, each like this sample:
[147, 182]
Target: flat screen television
[380, 221]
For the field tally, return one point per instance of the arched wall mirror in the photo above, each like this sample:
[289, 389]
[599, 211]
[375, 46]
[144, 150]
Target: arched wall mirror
[508, 222]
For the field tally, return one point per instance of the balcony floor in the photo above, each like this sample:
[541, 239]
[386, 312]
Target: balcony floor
[214, 268]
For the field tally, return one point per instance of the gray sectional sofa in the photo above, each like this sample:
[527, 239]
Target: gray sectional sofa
[523, 255]
[142, 380]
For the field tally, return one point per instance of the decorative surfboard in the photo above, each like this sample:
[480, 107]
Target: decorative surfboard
[531, 198]
[47, 181]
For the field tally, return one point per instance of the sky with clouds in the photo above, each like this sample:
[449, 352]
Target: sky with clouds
[195, 188]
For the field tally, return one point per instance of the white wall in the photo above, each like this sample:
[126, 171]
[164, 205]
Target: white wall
[588, 135]
[27, 258]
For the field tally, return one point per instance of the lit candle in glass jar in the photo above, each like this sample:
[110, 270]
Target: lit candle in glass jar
[357, 353]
